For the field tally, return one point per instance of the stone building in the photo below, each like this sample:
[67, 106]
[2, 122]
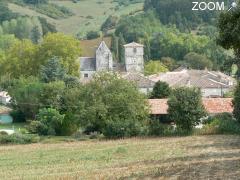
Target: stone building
[103, 61]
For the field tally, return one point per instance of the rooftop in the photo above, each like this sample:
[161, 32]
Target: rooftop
[212, 105]
[139, 79]
[133, 44]
[195, 78]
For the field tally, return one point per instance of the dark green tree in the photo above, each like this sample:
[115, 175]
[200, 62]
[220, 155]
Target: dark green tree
[114, 46]
[147, 49]
[236, 103]
[121, 53]
[52, 71]
[35, 35]
[229, 32]
[161, 90]
[186, 108]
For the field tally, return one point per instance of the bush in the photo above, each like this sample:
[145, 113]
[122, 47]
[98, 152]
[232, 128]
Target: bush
[49, 122]
[93, 35]
[18, 139]
[156, 128]
[221, 126]
[222, 117]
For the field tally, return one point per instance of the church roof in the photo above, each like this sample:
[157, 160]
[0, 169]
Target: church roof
[133, 44]
[103, 47]
[87, 64]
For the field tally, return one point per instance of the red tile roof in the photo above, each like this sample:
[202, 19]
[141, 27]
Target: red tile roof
[212, 105]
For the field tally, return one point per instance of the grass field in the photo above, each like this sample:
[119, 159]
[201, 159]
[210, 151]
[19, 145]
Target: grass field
[197, 157]
[16, 126]
[88, 14]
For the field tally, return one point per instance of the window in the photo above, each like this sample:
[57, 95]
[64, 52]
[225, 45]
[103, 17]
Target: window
[135, 50]
[85, 75]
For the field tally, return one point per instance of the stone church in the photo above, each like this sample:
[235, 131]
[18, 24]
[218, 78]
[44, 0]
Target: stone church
[103, 61]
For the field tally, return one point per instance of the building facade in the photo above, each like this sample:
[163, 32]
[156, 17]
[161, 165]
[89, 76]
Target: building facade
[103, 61]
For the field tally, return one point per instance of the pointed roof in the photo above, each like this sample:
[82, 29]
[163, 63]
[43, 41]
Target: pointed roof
[103, 47]
[133, 44]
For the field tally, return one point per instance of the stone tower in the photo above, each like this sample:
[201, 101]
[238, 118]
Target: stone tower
[134, 60]
[104, 60]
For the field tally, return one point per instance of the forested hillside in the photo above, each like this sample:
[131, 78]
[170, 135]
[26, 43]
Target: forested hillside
[168, 29]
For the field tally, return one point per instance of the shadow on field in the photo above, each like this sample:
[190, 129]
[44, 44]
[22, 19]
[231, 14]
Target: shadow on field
[211, 160]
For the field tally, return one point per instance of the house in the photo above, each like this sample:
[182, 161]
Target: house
[103, 61]
[211, 83]
[212, 105]
[4, 98]
[5, 117]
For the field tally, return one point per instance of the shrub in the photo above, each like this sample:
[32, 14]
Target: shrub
[49, 122]
[18, 139]
[93, 35]
[221, 126]
[156, 128]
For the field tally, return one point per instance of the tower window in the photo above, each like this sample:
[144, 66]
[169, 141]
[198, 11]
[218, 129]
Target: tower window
[135, 50]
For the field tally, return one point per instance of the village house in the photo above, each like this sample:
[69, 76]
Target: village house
[212, 83]
[4, 98]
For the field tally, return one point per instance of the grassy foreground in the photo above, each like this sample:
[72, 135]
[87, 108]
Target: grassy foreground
[197, 157]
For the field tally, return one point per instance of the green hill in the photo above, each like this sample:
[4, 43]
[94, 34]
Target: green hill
[88, 15]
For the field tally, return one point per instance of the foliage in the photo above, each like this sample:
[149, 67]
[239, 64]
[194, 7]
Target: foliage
[121, 51]
[221, 126]
[170, 63]
[161, 90]
[108, 104]
[51, 94]
[229, 32]
[49, 122]
[65, 47]
[110, 23]
[179, 13]
[18, 139]
[93, 35]
[17, 116]
[168, 41]
[186, 108]
[25, 94]
[24, 58]
[24, 28]
[52, 71]
[5, 13]
[236, 103]
[197, 61]
[20, 60]
[154, 67]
